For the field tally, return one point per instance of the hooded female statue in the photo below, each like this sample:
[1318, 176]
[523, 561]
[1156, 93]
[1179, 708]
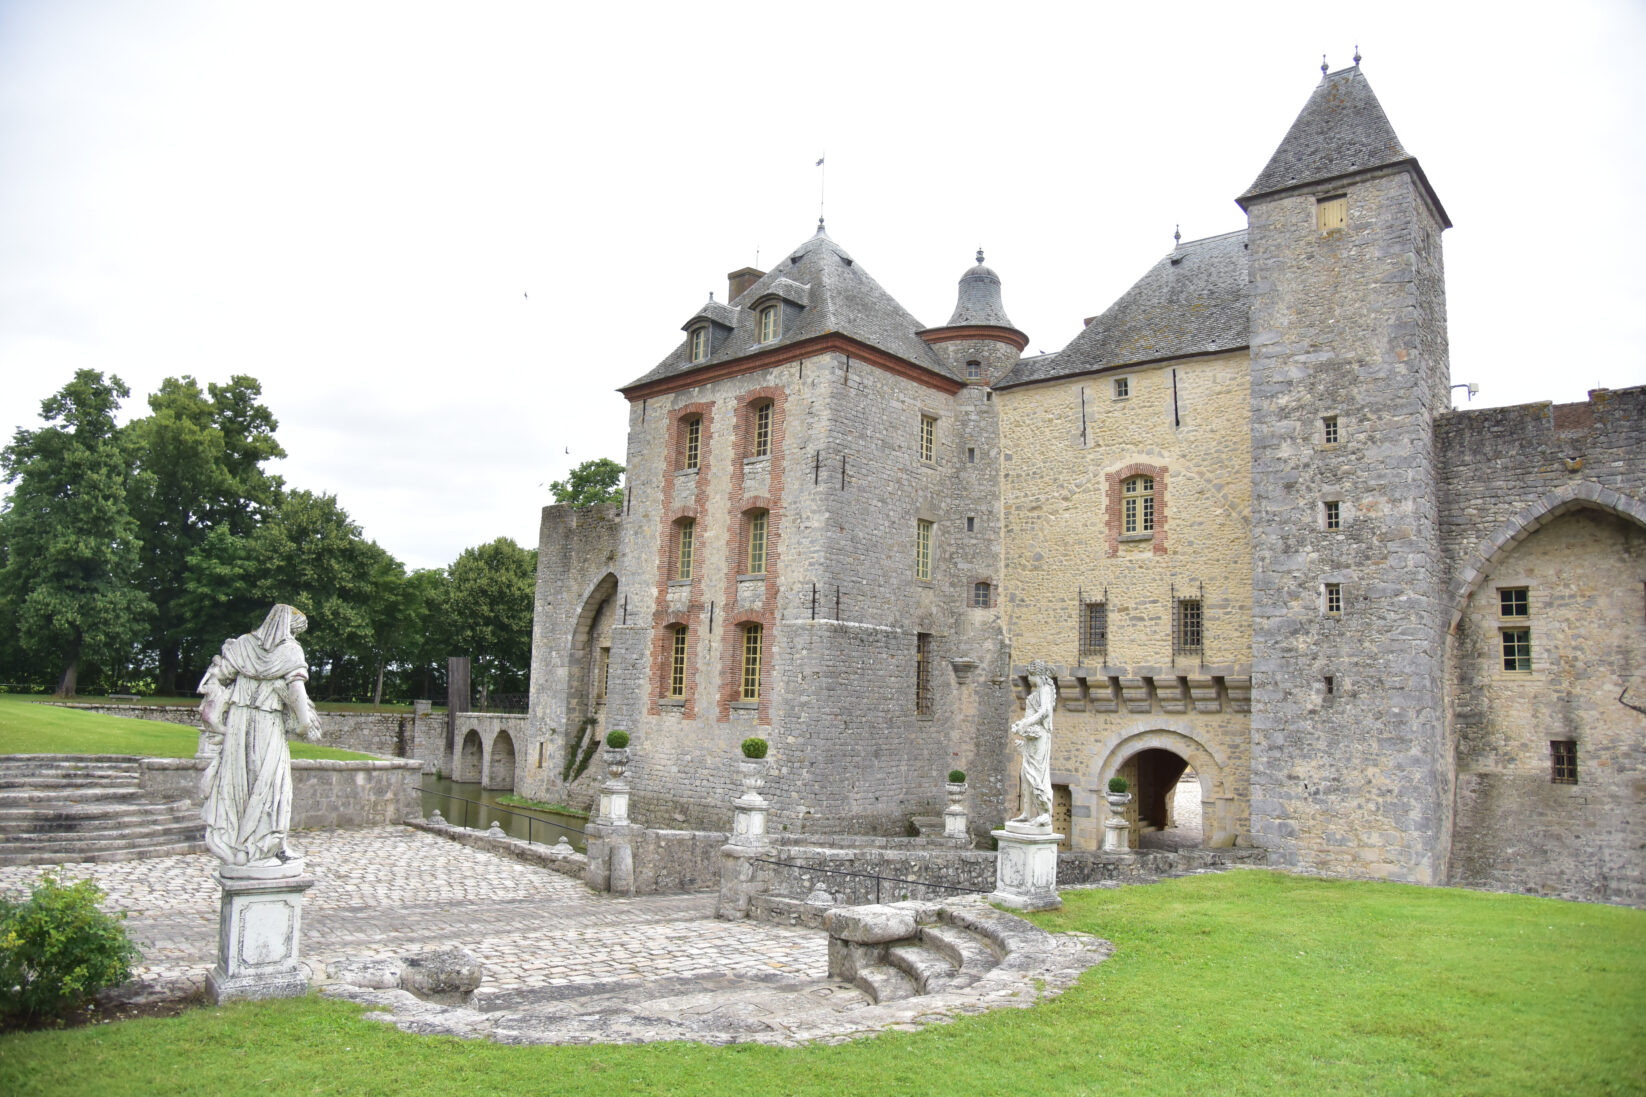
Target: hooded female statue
[1035, 729]
[254, 696]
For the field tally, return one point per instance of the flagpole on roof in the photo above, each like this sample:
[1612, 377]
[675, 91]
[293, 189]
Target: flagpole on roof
[822, 180]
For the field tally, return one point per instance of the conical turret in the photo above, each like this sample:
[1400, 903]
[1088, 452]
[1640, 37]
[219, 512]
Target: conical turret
[979, 300]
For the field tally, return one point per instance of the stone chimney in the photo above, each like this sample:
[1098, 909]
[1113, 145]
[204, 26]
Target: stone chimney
[740, 280]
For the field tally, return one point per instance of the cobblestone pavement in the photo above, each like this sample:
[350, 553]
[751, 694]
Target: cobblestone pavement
[390, 890]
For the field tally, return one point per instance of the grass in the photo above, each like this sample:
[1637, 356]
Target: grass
[1250, 982]
[194, 702]
[27, 727]
[509, 799]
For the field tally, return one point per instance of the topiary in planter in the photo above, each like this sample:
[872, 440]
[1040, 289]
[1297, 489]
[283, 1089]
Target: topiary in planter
[1118, 785]
[754, 748]
[617, 740]
[957, 776]
[57, 948]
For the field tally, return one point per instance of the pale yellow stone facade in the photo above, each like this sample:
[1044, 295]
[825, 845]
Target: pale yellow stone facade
[1067, 447]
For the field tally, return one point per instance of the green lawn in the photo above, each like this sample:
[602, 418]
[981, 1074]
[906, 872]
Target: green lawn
[27, 727]
[1249, 982]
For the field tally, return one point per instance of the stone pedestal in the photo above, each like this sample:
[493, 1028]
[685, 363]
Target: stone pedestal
[611, 857]
[954, 817]
[1026, 868]
[614, 793]
[740, 878]
[260, 920]
[1115, 827]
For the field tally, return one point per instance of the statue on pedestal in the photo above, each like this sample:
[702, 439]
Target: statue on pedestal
[254, 696]
[1034, 732]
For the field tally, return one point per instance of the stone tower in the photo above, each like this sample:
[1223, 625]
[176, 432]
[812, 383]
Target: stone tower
[1351, 769]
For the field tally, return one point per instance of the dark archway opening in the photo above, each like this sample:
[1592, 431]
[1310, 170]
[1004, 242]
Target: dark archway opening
[1167, 795]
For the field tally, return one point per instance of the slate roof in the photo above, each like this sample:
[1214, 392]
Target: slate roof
[836, 295]
[1191, 302]
[978, 301]
[1341, 130]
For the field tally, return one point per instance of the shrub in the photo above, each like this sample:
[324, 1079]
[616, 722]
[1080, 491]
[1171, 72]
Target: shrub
[754, 748]
[1118, 785]
[57, 948]
[957, 776]
[617, 740]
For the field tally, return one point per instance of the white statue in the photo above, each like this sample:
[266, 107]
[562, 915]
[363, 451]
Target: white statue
[254, 696]
[1035, 735]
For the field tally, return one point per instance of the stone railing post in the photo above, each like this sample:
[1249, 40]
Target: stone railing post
[740, 880]
[611, 835]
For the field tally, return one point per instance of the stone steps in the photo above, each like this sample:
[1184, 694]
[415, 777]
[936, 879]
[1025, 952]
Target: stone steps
[908, 949]
[66, 807]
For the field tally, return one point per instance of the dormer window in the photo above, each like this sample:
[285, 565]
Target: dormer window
[771, 322]
[698, 344]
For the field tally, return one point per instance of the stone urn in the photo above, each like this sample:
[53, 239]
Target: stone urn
[617, 759]
[752, 771]
[956, 791]
[1116, 826]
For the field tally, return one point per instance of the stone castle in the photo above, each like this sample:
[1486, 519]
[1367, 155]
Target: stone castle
[1236, 513]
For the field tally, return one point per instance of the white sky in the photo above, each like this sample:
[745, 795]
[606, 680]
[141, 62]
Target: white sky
[352, 202]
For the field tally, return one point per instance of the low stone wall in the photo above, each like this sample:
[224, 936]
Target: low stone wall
[385, 734]
[672, 861]
[805, 868]
[325, 793]
[1095, 867]
[559, 857]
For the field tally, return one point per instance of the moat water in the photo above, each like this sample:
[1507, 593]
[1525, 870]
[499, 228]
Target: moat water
[466, 804]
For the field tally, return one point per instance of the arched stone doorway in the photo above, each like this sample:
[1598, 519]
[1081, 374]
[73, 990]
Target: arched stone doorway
[469, 758]
[1155, 765]
[500, 766]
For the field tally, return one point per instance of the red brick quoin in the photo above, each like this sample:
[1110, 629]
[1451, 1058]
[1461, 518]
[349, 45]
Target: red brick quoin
[739, 507]
[1113, 508]
[662, 620]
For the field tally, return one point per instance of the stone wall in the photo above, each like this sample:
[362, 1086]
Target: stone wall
[386, 734]
[489, 750]
[325, 793]
[1350, 769]
[1068, 448]
[805, 868]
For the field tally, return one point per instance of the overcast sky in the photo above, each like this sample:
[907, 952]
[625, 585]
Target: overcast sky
[441, 236]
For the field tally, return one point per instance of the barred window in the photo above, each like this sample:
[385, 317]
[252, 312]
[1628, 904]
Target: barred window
[683, 549]
[1094, 630]
[923, 550]
[923, 674]
[1563, 761]
[763, 430]
[980, 595]
[699, 344]
[677, 664]
[757, 543]
[1334, 599]
[1513, 602]
[1191, 630]
[753, 637]
[1517, 648]
[694, 442]
[1137, 503]
[928, 438]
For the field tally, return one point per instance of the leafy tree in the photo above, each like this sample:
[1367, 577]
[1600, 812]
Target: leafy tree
[489, 611]
[592, 482]
[200, 461]
[71, 544]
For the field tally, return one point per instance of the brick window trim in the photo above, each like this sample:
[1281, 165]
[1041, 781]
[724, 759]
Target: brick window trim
[1115, 483]
[731, 663]
[663, 630]
[678, 418]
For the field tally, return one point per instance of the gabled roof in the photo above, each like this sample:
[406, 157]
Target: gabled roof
[1191, 302]
[1341, 131]
[837, 296]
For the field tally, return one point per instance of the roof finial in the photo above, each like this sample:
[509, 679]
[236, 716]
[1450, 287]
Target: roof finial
[820, 231]
[1357, 53]
[1323, 64]
[711, 295]
[980, 255]
[1177, 236]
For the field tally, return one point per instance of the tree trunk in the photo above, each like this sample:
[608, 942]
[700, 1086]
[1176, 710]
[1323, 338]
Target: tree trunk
[377, 694]
[71, 676]
[165, 679]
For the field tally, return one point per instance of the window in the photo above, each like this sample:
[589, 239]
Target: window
[971, 455]
[1122, 387]
[1517, 648]
[601, 673]
[971, 524]
[677, 664]
[1331, 685]
[1328, 430]
[923, 550]
[763, 430]
[757, 543]
[771, 323]
[683, 549]
[928, 438]
[1334, 516]
[1094, 630]
[1562, 761]
[1137, 507]
[753, 637]
[974, 371]
[980, 596]
[1331, 213]
[1513, 602]
[1191, 631]
[923, 674]
[699, 345]
[694, 442]
[1334, 599]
